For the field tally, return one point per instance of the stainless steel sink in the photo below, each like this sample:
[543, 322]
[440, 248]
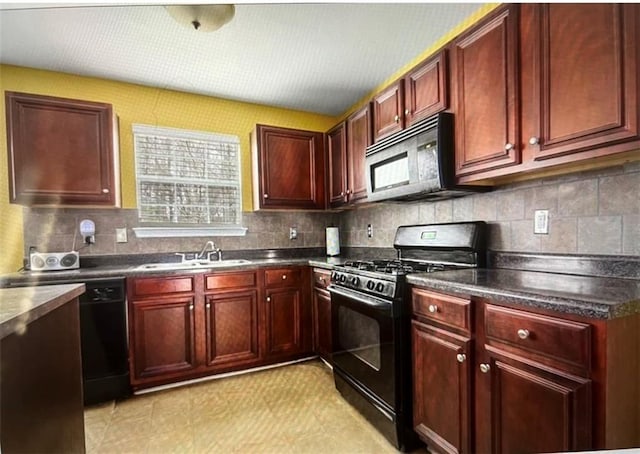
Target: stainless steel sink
[195, 264]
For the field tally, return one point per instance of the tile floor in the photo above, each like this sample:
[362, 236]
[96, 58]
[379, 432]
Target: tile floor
[291, 409]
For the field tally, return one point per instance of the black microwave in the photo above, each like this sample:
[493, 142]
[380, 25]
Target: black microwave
[416, 163]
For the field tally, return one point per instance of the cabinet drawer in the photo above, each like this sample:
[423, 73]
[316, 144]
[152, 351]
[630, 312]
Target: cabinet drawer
[285, 277]
[161, 285]
[321, 278]
[445, 309]
[558, 339]
[230, 280]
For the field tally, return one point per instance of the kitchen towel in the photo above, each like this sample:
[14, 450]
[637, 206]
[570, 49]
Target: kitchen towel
[333, 241]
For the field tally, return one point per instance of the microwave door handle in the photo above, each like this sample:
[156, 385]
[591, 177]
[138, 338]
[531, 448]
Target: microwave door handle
[369, 301]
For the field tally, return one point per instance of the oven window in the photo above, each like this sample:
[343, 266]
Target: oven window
[360, 336]
[392, 172]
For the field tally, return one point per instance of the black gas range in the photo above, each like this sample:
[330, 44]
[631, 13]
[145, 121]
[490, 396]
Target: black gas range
[370, 311]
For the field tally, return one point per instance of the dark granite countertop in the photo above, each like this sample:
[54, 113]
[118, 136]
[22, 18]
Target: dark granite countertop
[128, 270]
[594, 297]
[21, 306]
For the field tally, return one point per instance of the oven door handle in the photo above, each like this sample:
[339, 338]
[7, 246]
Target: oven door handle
[369, 300]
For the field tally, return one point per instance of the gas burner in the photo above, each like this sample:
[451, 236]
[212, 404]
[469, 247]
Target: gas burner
[394, 267]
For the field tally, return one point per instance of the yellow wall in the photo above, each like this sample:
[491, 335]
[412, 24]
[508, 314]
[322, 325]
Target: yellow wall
[137, 104]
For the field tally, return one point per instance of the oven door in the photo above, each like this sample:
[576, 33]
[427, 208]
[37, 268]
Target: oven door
[363, 341]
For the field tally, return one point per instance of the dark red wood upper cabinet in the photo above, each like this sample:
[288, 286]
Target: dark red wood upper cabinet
[358, 139]
[426, 90]
[337, 155]
[485, 68]
[585, 88]
[288, 168]
[388, 111]
[61, 151]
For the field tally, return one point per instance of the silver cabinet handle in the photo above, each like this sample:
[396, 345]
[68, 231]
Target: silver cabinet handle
[105, 191]
[523, 333]
[433, 308]
[461, 357]
[484, 368]
[534, 140]
[508, 146]
[268, 299]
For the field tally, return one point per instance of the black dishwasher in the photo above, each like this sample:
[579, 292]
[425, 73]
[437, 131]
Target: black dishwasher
[103, 330]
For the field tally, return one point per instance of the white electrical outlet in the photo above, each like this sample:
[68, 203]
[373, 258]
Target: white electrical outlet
[541, 222]
[293, 233]
[369, 231]
[121, 235]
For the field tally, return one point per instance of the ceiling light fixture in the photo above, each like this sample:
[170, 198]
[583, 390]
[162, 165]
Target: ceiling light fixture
[204, 18]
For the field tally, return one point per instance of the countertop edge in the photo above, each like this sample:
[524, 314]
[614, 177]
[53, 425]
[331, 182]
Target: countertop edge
[32, 303]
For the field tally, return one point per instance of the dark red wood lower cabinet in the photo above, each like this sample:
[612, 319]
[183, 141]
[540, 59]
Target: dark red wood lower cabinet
[526, 409]
[441, 387]
[232, 329]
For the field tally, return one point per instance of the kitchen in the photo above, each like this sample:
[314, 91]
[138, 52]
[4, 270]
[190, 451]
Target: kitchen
[592, 210]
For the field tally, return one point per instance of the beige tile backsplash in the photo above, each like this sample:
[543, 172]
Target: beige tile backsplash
[594, 212]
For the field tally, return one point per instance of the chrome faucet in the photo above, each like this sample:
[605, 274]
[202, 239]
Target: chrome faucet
[210, 244]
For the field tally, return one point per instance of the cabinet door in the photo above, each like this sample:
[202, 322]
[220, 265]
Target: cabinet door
[426, 89]
[358, 139]
[322, 323]
[337, 154]
[485, 67]
[526, 409]
[231, 325]
[586, 77]
[162, 337]
[290, 168]
[388, 110]
[441, 388]
[60, 151]
[284, 321]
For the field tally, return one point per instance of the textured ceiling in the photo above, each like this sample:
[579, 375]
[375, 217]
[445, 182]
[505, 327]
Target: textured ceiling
[314, 57]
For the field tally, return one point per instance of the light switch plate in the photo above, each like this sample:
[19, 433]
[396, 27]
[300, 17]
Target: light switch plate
[293, 233]
[121, 235]
[541, 222]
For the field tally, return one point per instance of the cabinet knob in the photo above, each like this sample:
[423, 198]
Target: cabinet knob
[342, 194]
[534, 140]
[396, 118]
[508, 146]
[190, 307]
[284, 276]
[484, 368]
[105, 191]
[433, 308]
[461, 357]
[266, 196]
[208, 306]
[406, 111]
[523, 333]
[268, 299]
[348, 191]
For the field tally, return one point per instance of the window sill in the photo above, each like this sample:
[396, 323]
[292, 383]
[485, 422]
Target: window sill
[167, 232]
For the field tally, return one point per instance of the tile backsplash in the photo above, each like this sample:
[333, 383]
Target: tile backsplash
[596, 212]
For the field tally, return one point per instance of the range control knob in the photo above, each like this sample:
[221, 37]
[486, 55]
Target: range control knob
[342, 278]
[379, 287]
[371, 285]
[355, 281]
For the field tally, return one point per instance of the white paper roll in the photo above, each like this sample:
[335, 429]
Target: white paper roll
[333, 241]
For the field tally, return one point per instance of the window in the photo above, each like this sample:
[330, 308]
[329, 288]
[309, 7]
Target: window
[187, 181]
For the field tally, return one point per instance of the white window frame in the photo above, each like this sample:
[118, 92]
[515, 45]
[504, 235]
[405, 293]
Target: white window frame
[163, 230]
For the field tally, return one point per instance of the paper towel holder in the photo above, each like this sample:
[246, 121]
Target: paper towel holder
[333, 241]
